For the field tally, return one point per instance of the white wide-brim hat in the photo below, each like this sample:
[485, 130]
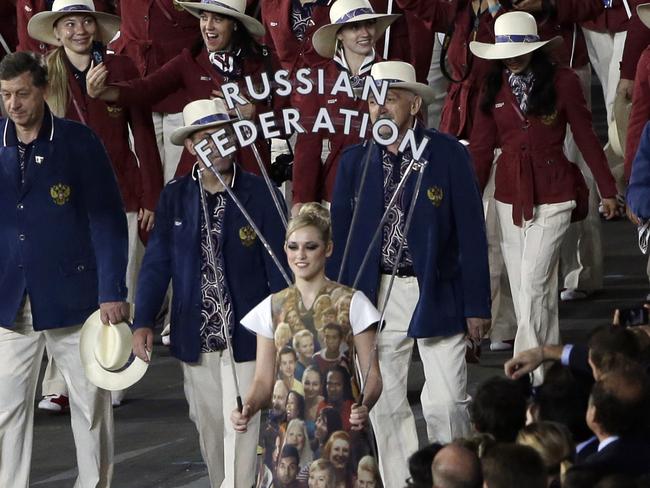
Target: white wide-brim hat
[231, 8]
[515, 34]
[41, 25]
[644, 14]
[106, 354]
[617, 130]
[199, 115]
[344, 12]
[400, 74]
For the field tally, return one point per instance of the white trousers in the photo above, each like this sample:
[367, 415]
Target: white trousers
[170, 155]
[531, 254]
[605, 53]
[504, 321]
[21, 352]
[210, 392]
[444, 397]
[581, 255]
[53, 381]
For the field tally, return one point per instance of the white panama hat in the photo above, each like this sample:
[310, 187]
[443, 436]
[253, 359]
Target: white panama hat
[515, 34]
[106, 354]
[400, 74]
[41, 25]
[644, 14]
[231, 8]
[617, 130]
[199, 115]
[344, 12]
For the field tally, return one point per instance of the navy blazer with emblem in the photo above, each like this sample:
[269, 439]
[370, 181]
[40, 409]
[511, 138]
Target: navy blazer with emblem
[63, 234]
[174, 252]
[446, 239]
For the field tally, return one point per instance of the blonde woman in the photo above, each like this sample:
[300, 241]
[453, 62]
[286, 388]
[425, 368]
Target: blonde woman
[308, 245]
[296, 435]
[321, 474]
[554, 444]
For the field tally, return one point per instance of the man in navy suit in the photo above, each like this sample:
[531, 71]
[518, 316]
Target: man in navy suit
[63, 251]
[178, 250]
[442, 287]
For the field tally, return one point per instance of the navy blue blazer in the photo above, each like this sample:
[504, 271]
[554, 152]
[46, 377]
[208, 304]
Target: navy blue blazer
[63, 234]
[174, 252]
[447, 236]
[638, 191]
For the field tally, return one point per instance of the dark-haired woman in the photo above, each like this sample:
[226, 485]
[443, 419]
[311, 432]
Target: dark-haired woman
[228, 52]
[525, 107]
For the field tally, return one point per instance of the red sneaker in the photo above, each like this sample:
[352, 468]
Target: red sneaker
[55, 403]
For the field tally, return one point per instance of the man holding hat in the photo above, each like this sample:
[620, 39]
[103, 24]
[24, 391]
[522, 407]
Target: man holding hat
[63, 250]
[214, 286]
[442, 287]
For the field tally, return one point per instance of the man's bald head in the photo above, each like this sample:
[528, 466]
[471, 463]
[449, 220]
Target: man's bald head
[456, 466]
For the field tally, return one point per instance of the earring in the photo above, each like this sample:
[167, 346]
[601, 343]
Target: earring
[234, 27]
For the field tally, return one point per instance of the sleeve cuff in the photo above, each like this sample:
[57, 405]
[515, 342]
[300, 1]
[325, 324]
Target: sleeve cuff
[566, 354]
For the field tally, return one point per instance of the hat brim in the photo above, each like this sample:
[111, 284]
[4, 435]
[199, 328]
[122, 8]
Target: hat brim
[179, 135]
[617, 130]
[511, 49]
[644, 14]
[253, 26]
[41, 25]
[96, 374]
[425, 92]
[324, 39]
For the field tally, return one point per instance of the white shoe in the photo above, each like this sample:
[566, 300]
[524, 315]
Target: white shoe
[54, 403]
[500, 346]
[164, 335]
[572, 294]
[117, 397]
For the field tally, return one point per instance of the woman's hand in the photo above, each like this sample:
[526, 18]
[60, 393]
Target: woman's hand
[240, 419]
[358, 417]
[146, 219]
[610, 208]
[96, 80]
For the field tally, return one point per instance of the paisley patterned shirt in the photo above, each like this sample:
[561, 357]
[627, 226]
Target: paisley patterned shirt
[301, 17]
[394, 167]
[215, 320]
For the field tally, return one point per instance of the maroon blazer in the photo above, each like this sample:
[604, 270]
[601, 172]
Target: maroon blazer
[613, 19]
[533, 168]
[638, 38]
[197, 78]
[151, 33]
[457, 113]
[640, 110]
[313, 181]
[290, 52]
[140, 185]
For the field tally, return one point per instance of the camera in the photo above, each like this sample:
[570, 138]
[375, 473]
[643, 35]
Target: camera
[282, 168]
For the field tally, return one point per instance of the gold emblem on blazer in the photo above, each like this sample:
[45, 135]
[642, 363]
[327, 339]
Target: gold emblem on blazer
[435, 194]
[60, 193]
[114, 110]
[247, 236]
[549, 119]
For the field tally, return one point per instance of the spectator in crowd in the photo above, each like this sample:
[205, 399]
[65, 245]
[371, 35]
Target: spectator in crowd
[327, 422]
[338, 393]
[338, 451]
[51, 188]
[455, 466]
[535, 201]
[303, 344]
[287, 359]
[499, 408]
[448, 223]
[368, 473]
[419, 465]
[312, 382]
[180, 251]
[296, 435]
[554, 444]
[321, 474]
[295, 406]
[228, 52]
[510, 465]
[287, 468]
[331, 355]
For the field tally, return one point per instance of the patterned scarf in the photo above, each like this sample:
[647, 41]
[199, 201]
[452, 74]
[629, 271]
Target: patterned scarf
[355, 80]
[301, 17]
[227, 63]
[521, 85]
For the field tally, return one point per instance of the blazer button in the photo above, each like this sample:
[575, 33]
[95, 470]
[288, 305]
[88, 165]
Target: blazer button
[21, 237]
[20, 206]
[81, 267]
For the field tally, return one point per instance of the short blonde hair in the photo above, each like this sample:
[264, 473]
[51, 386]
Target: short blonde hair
[552, 441]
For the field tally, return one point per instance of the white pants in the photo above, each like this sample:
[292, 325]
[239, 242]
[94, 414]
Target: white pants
[53, 382]
[170, 155]
[444, 398]
[21, 352]
[210, 392]
[504, 321]
[605, 53]
[581, 255]
[531, 254]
